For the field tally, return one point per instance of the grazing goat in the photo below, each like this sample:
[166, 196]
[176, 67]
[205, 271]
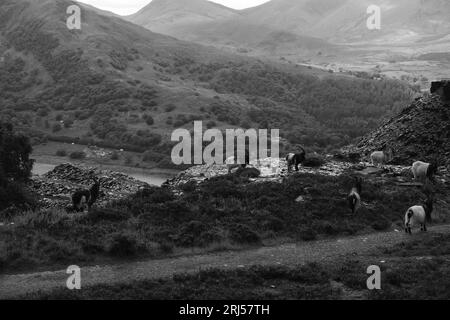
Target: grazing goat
[422, 170]
[419, 215]
[295, 159]
[83, 198]
[354, 197]
[381, 157]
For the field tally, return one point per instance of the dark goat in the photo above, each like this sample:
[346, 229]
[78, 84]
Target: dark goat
[354, 197]
[81, 198]
[295, 159]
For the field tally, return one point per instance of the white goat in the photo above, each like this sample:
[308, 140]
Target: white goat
[419, 215]
[422, 170]
[381, 157]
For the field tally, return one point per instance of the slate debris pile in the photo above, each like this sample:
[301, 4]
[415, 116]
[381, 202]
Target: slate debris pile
[420, 132]
[57, 186]
[271, 169]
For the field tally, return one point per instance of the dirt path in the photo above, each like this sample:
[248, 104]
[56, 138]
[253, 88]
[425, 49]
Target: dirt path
[289, 254]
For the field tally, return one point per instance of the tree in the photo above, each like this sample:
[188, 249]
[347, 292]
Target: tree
[15, 150]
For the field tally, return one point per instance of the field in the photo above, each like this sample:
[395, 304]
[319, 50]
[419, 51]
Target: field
[227, 212]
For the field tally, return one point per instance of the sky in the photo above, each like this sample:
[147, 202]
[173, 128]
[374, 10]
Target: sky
[126, 7]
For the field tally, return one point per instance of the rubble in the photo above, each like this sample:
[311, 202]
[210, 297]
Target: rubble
[420, 132]
[272, 169]
[57, 186]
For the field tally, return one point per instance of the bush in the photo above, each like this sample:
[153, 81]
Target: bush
[56, 127]
[68, 123]
[242, 234]
[150, 156]
[61, 153]
[15, 150]
[314, 161]
[123, 245]
[150, 121]
[115, 155]
[77, 155]
[170, 107]
[211, 124]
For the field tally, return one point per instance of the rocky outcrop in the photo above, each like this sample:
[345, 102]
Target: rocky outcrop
[57, 186]
[420, 132]
[271, 169]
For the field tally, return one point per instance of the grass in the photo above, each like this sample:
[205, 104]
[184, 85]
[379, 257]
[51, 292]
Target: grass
[404, 277]
[226, 212]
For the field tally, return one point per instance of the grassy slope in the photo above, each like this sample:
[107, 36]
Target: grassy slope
[426, 260]
[224, 212]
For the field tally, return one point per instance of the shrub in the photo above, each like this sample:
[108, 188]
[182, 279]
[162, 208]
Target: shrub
[115, 155]
[150, 156]
[68, 123]
[150, 121]
[314, 161]
[308, 235]
[189, 186]
[211, 124]
[170, 107]
[61, 153]
[242, 234]
[105, 214]
[77, 155]
[56, 127]
[122, 245]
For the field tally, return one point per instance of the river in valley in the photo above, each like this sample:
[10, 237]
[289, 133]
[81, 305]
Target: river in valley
[152, 178]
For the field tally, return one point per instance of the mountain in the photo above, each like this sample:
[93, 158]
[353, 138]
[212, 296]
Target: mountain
[329, 34]
[208, 23]
[345, 20]
[336, 21]
[119, 85]
[173, 16]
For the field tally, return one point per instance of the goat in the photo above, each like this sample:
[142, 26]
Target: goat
[354, 197]
[234, 163]
[295, 159]
[381, 157]
[83, 198]
[419, 215]
[422, 170]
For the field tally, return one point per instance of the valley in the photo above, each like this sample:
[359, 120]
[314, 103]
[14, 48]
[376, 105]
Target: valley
[88, 124]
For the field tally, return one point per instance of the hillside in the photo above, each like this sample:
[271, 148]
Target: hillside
[118, 85]
[420, 132]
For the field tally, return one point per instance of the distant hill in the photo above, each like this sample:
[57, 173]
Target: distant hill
[345, 20]
[330, 34]
[336, 21]
[173, 16]
[118, 85]
[205, 22]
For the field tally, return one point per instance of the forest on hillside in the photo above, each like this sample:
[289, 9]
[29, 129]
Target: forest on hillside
[319, 113]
